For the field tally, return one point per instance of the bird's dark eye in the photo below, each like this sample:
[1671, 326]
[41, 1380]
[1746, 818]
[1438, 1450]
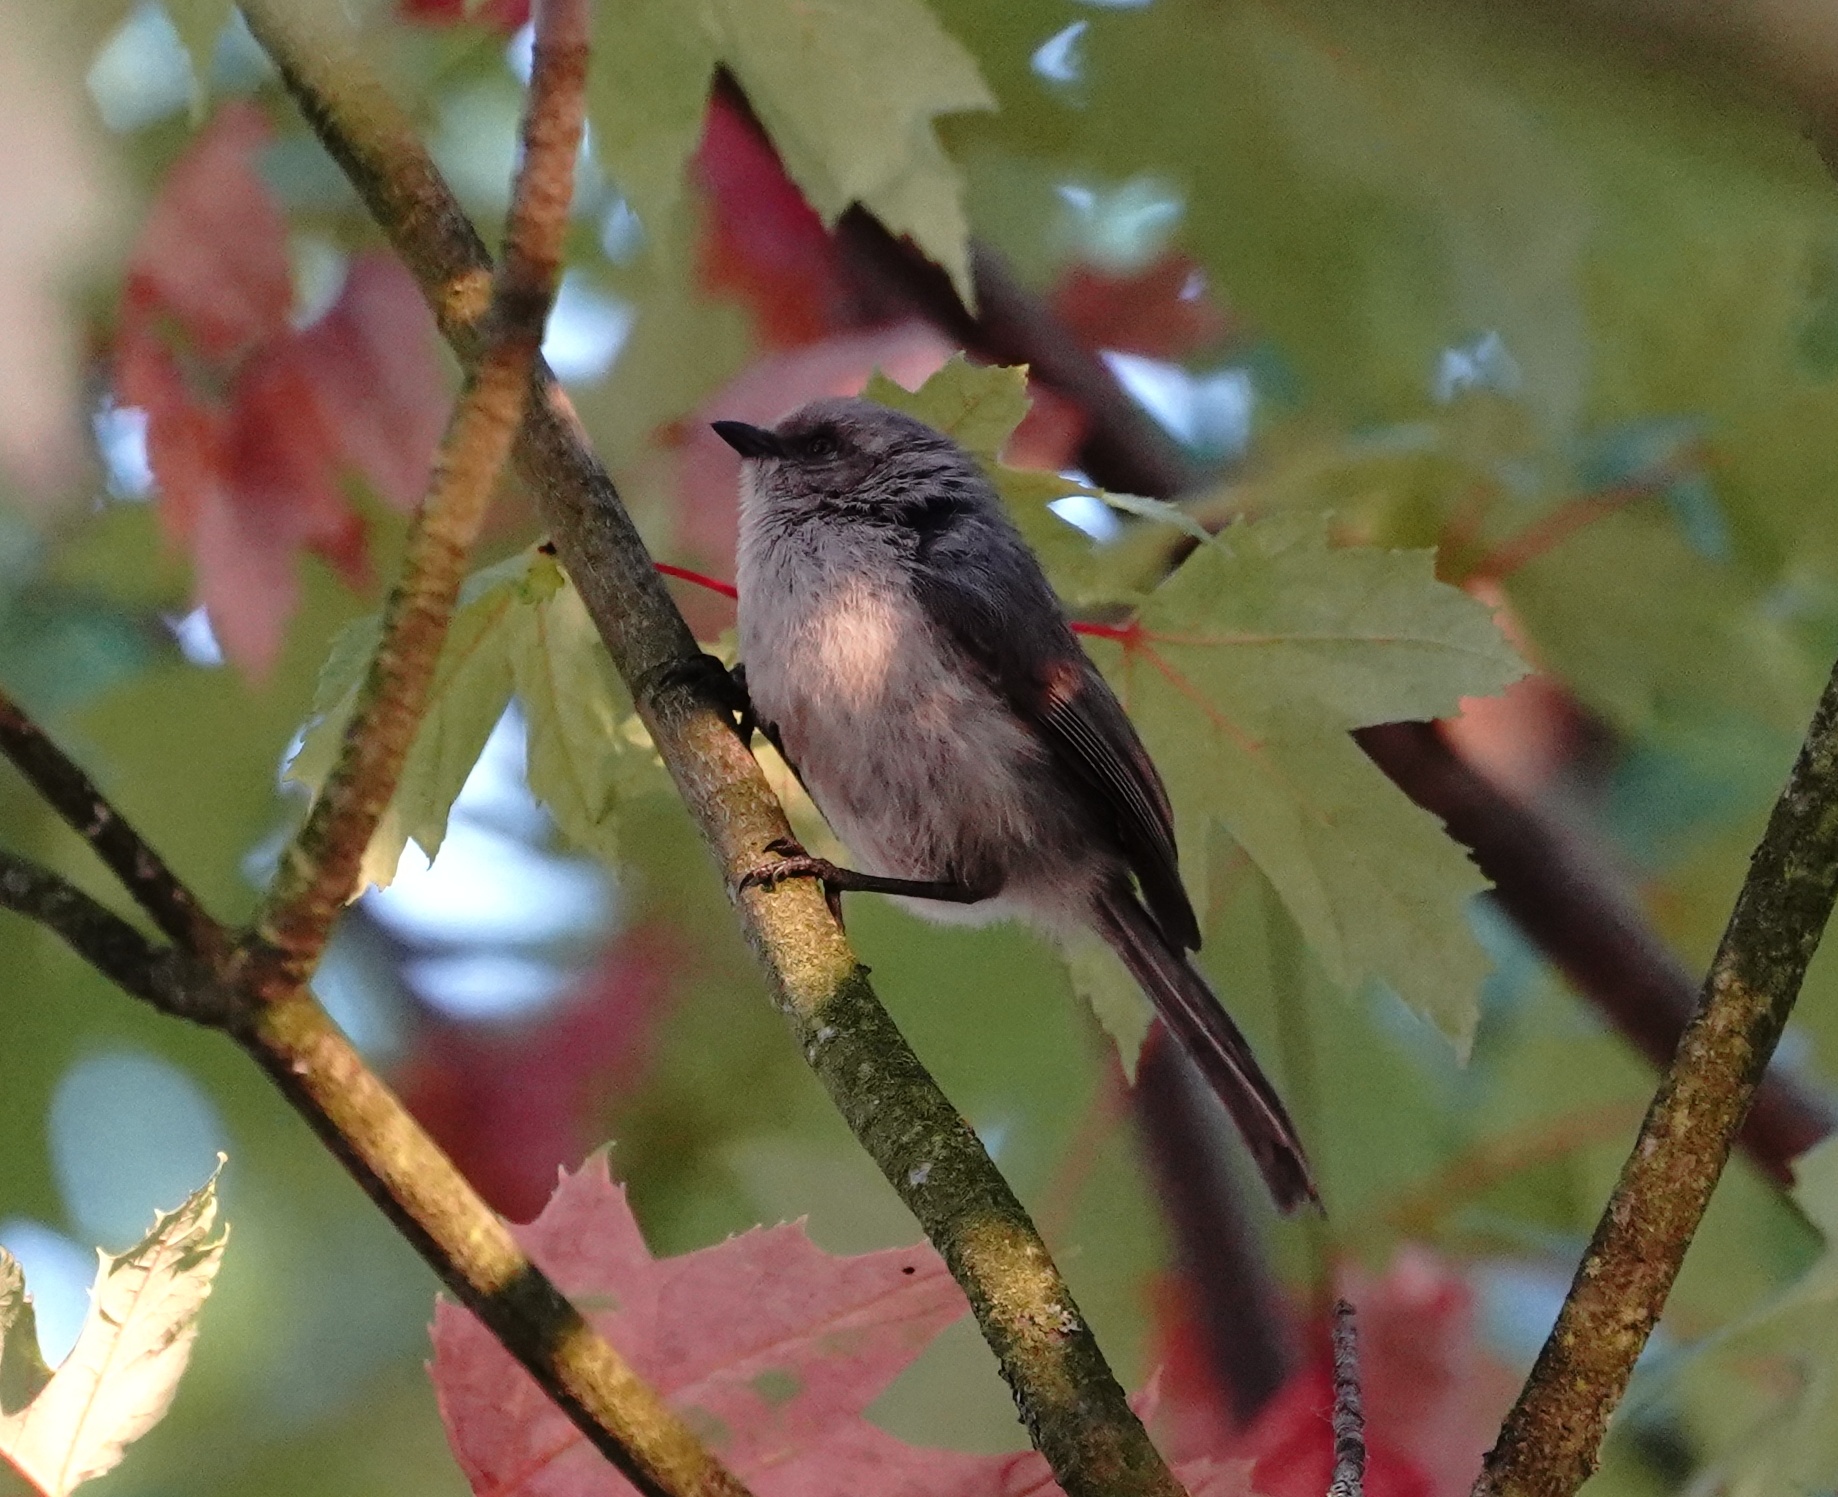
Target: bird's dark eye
[820, 446]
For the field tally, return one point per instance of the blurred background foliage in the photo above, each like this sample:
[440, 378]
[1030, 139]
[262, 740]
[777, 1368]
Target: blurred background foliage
[1540, 287]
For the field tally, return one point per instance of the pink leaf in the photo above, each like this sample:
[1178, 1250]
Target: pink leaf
[212, 254]
[374, 368]
[771, 1348]
[249, 422]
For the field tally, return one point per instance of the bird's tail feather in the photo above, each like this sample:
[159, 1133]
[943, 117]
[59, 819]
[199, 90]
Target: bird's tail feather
[1206, 1032]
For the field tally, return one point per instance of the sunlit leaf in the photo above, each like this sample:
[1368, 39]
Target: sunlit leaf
[471, 689]
[120, 1377]
[586, 746]
[520, 628]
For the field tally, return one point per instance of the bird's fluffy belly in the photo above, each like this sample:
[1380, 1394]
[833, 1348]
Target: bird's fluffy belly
[921, 771]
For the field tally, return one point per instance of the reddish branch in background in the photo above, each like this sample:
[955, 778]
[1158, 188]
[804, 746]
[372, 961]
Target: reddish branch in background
[251, 421]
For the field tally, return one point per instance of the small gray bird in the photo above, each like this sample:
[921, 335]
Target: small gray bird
[903, 650]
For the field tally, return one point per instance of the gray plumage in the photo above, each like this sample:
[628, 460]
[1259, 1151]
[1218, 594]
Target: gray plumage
[905, 651]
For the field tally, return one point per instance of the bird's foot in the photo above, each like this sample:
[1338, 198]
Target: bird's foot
[706, 675]
[792, 861]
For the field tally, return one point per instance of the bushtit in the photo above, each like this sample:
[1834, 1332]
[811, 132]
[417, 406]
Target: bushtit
[903, 649]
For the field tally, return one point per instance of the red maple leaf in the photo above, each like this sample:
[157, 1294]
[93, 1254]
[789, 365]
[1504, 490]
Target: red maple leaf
[1433, 1394]
[768, 1345]
[250, 421]
[764, 244]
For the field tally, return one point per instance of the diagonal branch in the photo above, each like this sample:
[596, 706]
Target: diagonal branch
[398, 1165]
[1074, 1407]
[169, 978]
[1551, 1440]
[75, 797]
[318, 870]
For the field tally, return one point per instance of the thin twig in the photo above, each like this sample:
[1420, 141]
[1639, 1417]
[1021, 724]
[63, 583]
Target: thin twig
[1349, 1478]
[398, 1165]
[317, 872]
[1070, 1400]
[165, 976]
[73, 795]
[1552, 1438]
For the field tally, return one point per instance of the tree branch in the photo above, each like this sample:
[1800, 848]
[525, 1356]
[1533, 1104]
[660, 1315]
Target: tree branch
[391, 1157]
[72, 794]
[1551, 1439]
[1349, 1479]
[1572, 906]
[1558, 890]
[168, 978]
[1072, 1404]
[317, 871]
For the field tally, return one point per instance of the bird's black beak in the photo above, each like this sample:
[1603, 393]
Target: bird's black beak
[749, 441]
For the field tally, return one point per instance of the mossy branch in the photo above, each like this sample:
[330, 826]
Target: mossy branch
[318, 871]
[255, 990]
[1072, 1404]
[417, 1187]
[1552, 1438]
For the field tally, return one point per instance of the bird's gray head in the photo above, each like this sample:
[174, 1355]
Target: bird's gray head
[850, 459]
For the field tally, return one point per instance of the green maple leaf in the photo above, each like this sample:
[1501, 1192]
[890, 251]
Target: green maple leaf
[587, 749]
[471, 688]
[520, 628]
[847, 89]
[1245, 671]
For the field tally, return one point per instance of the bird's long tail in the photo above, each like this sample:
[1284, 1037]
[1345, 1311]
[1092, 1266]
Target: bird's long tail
[1206, 1032]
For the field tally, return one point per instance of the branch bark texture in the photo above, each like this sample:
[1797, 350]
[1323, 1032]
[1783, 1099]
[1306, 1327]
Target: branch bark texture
[74, 796]
[1561, 893]
[1073, 1406]
[1551, 1440]
[317, 872]
[257, 992]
